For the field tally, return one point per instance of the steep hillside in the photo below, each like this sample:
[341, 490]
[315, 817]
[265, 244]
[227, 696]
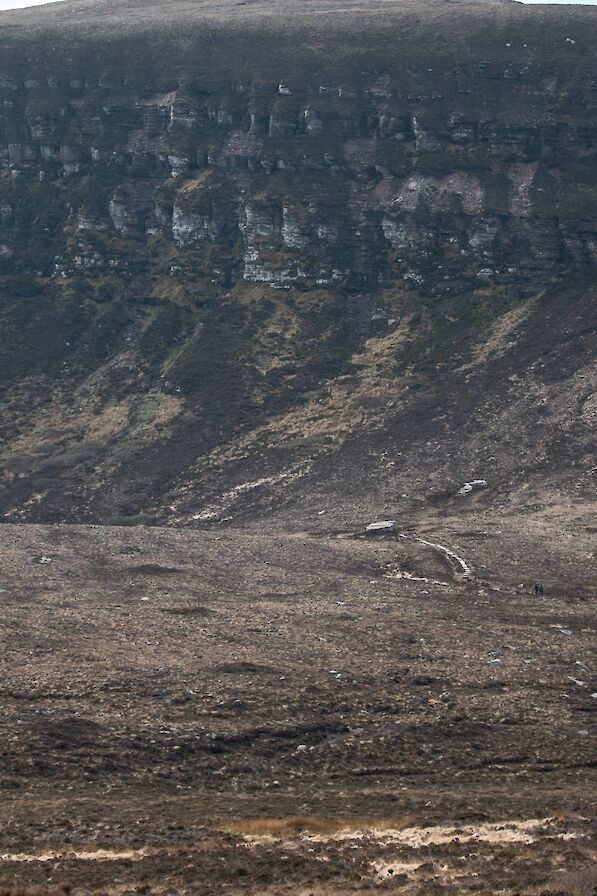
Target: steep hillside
[269, 258]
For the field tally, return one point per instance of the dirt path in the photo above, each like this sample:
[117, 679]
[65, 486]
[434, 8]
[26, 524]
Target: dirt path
[447, 552]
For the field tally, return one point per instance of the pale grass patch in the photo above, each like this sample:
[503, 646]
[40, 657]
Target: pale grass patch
[385, 870]
[312, 826]
[501, 335]
[96, 855]
[399, 831]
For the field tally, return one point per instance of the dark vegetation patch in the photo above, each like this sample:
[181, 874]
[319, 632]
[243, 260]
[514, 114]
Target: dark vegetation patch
[154, 569]
[246, 668]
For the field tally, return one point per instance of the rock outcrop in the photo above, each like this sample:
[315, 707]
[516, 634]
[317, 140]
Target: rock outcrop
[441, 177]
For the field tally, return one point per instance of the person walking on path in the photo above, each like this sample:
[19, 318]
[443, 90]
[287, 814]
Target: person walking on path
[536, 589]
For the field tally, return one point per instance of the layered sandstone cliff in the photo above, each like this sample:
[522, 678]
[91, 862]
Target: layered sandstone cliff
[205, 216]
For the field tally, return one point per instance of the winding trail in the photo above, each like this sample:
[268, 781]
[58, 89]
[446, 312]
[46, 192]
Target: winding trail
[447, 552]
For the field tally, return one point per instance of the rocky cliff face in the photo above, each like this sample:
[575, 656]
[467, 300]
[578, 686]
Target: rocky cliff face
[299, 185]
[190, 247]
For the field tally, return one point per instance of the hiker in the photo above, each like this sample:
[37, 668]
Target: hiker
[536, 589]
[541, 590]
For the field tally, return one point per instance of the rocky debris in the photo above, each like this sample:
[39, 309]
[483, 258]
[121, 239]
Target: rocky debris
[473, 484]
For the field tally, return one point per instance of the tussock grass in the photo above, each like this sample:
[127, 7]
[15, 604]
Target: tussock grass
[582, 882]
[62, 889]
